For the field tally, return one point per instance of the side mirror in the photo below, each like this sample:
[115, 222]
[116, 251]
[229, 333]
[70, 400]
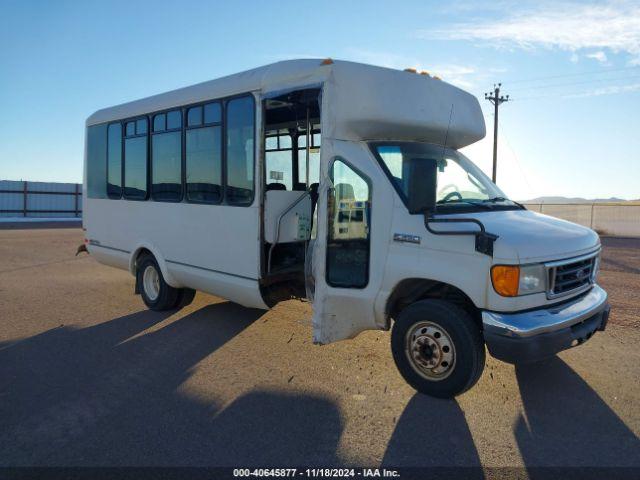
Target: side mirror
[423, 174]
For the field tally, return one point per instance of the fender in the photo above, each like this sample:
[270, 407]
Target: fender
[159, 258]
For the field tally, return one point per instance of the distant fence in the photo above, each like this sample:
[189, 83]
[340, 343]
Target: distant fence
[40, 199]
[617, 219]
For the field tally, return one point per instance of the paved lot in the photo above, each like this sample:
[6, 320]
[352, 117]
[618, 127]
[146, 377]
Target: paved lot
[88, 376]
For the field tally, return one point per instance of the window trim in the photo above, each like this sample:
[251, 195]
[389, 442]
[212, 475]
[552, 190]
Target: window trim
[369, 183]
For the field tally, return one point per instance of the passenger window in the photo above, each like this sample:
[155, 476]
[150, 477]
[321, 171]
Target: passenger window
[174, 120]
[159, 122]
[279, 161]
[204, 164]
[212, 113]
[314, 159]
[194, 117]
[349, 228]
[239, 143]
[114, 161]
[135, 161]
[166, 158]
[97, 161]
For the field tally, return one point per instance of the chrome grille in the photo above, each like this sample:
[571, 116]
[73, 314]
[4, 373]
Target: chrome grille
[571, 276]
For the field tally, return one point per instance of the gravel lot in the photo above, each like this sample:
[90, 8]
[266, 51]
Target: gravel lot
[89, 377]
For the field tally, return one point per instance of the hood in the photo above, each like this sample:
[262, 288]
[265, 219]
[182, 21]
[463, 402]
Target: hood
[528, 237]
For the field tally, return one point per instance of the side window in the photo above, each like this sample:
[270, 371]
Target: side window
[239, 141]
[96, 163]
[314, 157]
[135, 159]
[349, 227]
[166, 157]
[204, 154]
[114, 161]
[278, 160]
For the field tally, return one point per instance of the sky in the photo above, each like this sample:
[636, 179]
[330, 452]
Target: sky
[572, 70]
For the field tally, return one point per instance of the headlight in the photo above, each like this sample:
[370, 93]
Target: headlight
[514, 280]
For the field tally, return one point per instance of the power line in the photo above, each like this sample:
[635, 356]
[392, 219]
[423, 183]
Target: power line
[552, 85]
[497, 100]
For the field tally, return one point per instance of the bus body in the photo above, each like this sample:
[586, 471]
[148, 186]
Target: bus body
[340, 183]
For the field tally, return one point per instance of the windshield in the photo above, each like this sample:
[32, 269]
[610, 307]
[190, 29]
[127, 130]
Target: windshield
[460, 183]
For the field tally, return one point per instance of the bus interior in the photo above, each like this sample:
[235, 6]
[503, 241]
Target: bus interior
[291, 146]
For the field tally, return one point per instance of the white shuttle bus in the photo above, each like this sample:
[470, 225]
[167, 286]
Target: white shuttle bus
[340, 183]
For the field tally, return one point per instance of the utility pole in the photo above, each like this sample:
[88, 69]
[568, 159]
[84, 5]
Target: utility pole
[496, 99]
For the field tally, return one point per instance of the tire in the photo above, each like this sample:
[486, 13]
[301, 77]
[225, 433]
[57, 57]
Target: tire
[185, 297]
[157, 294]
[438, 348]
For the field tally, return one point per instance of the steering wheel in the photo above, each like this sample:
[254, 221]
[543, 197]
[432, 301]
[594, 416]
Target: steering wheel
[450, 195]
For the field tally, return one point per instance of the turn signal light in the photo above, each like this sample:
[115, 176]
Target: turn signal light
[505, 279]
[327, 61]
[411, 70]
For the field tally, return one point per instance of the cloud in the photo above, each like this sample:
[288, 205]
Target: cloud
[612, 90]
[599, 56]
[612, 25]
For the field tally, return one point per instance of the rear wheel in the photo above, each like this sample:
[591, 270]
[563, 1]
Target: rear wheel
[156, 293]
[437, 348]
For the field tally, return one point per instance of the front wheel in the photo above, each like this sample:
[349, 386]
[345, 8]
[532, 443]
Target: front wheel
[437, 348]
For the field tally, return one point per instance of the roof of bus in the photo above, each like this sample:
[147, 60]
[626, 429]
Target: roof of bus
[366, 102]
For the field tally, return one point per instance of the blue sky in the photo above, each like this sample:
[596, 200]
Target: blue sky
[572, 69]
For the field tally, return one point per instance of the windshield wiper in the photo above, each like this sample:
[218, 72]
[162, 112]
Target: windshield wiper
[502, 199]
[469, 202]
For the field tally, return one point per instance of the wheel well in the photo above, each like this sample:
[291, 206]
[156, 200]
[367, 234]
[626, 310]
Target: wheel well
[143, 252]
[411, 290]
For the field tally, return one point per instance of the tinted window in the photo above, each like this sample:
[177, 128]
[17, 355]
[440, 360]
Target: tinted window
[204, 164]
[240, 149]
[194, 117]
[174, 120]
[96, 163]
[212, 113]
[135, 161]
[166, 166]
[131, 128]
[141, 126]
[159, 122]
[114, 161]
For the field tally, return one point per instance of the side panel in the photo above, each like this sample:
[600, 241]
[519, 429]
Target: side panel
[213, 248]
[341, 313]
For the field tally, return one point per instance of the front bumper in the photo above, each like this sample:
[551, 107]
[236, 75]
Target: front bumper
[530, 336]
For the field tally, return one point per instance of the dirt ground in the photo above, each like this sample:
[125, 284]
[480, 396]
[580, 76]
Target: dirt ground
[89, 377]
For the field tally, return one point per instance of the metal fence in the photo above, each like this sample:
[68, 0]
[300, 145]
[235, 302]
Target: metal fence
[40, 199]
[617, 219]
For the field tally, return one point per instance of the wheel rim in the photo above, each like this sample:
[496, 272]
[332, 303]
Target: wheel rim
[430, 351]
[151, 283]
